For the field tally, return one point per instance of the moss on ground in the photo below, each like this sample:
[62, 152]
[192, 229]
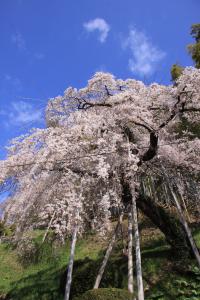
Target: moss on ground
[106, 294]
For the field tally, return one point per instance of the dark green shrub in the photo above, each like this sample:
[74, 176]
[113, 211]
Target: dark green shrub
[31, 251]
[106, 294]
[6, 230]
[85, 272]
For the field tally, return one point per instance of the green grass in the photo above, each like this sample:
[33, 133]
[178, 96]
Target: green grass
[164, 277]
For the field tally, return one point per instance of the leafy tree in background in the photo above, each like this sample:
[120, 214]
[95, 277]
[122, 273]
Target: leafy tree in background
[195, 32]
[194, 51]
[176, 71]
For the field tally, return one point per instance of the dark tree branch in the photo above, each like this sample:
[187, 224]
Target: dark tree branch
[153, 147]
[191, 109]
[155, 108]
[128, 132]
[143, 125]
[179, 107]
[83, 104]
[107, 91]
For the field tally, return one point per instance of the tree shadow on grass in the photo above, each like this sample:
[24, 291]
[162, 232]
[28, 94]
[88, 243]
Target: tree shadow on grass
[49, 284]
[42, 285]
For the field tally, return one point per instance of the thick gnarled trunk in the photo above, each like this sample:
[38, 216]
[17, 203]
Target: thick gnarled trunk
[169, 225]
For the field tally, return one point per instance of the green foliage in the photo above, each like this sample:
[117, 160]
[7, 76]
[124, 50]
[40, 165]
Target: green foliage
[157, 295]
[194, 50]
[185, 126]
[6, 230]
[1, 228]
[189, 289]
[195, 32]
[31, 251]
[106, 294]
[176, 71]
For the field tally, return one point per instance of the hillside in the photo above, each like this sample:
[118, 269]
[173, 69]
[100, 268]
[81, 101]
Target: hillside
[41, 275]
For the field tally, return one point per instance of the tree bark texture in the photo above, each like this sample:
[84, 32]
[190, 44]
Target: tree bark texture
[169, 224]
[187, 229]
[182, 218]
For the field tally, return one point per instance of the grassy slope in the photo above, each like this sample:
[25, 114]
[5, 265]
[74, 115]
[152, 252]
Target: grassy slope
[164, 276]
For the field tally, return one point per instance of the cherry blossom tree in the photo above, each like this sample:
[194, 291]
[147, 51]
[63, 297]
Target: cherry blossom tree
[104, 148]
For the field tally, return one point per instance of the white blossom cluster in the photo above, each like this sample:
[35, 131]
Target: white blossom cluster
[72, 168]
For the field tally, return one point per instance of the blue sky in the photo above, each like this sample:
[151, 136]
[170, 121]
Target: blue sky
[48, 45]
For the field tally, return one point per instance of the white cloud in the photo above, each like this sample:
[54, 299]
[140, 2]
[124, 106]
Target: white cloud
[21, 113]
[144, 55]
[19, 41]
[98, 24]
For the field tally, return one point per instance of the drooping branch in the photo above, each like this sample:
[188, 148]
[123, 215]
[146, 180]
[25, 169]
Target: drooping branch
[107, 91]
[49, 225]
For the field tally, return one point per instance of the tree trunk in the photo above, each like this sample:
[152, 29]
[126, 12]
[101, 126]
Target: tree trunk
[107, 255]
[170, 226]
[140, 288]
[130, 251]
[70, 265]
[184, 204]
[182, 218]
[185, 224]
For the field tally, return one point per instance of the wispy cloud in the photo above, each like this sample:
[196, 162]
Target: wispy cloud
[100, 25]
[12, 83]
[19, 41]
[21, 113]
[144, 55]
[39, 56]
[24, 112]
